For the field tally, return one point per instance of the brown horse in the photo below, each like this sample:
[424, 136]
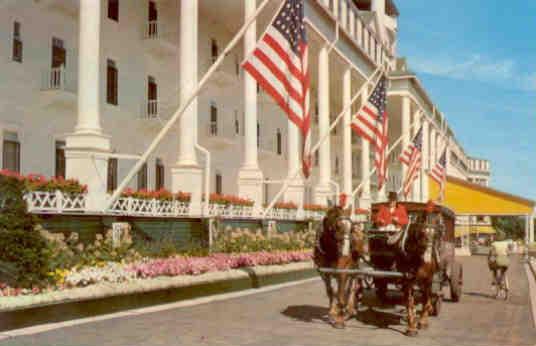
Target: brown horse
[340, 244]
[418, 258]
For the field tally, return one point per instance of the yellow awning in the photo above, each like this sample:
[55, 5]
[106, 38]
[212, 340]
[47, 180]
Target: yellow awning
[474, 229]
[472, 199]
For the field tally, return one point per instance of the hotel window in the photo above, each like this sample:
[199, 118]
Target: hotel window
[213, 49]
[266, 186]
[17, 43]
[142, 177]
[111, 183]
[11, 152]
[111, 82]
[316, 112]
[213, 119]
[258, 135]
[152, 96]
[153, 19]
[337, 165]
[159, 176]
[218, 183]
[58, 53]
[113, 10]
[278, 142]
[236, 123]
[60, 159]
[316, 158]
[237, 66]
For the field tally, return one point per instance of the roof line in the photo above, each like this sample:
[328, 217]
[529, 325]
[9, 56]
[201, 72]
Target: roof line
[490, 190]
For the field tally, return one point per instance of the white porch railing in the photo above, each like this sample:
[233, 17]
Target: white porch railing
[151, 29]
[55, 202]
[150, 109]
[150, 207]
[54, 79]
[41, 202]
[230, 211]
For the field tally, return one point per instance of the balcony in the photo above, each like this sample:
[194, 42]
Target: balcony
[158, 42]
[220, 135]
[68, 8]
[353, 25]
[56, 89]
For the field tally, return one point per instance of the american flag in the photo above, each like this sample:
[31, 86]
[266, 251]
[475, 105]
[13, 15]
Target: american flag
[439, 171]
[411, 157]
[371, 123]
[279, 63]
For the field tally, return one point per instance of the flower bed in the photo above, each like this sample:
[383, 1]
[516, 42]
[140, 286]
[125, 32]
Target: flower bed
[161, 195]
[38, 182]
[215, 262]
[216, 198]
[115, 272]
[286, 205]
[315, 207]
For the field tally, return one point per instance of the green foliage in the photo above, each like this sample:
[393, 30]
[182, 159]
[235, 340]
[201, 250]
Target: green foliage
[509, 227]
[234, 241]
[13, 211]
[28, 251]
[24, 253]
[168, 246]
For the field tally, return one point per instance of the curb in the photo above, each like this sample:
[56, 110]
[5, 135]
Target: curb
[136, 312]
[105, 290]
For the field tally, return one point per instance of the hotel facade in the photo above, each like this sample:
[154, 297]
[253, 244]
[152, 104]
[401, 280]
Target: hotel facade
[88, 84]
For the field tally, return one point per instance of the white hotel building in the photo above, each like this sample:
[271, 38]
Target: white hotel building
[87, 85]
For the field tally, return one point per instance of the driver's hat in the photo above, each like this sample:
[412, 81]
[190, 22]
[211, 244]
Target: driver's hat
[393, 196]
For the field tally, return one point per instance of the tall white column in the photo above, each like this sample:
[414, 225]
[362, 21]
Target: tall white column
[344, 14]
[432, 147]
[531, 228]
[250, 177]
[322, 190]
[364, 200]
[406, 135]
[187, 175]
[416, 191]
[296, 188]
[86, 148]
[425, 162]
[347, 133]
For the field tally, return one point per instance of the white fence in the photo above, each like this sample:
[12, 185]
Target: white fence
[41, 202]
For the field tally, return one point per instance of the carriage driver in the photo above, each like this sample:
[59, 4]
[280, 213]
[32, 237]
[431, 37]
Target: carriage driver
[394, 217]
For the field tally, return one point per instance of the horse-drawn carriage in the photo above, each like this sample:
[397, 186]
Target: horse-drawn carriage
[420, 257]
[382, 252]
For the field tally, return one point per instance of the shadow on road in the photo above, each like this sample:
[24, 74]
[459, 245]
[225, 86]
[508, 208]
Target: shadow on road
[479, 294]
[307, 313]
[370, 317]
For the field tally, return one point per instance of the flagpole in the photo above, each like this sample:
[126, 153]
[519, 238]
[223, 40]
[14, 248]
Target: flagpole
[294, 174]
[156, 141]
[371, 173]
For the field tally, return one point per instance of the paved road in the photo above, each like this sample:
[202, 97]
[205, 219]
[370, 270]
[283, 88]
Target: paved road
[296, 316]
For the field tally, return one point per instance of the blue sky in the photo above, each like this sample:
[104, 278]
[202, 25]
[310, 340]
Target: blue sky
[477, 60]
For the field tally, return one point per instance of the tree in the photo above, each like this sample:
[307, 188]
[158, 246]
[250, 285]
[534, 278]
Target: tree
[513, 227]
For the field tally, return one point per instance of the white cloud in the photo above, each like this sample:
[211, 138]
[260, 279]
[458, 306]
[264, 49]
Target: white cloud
[479, 68]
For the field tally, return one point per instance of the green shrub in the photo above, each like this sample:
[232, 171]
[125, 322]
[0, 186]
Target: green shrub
[28, 251]
[13, 211]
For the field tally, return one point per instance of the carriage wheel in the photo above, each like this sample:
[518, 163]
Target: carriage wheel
[456, 282]
[381, 289]
[436, 304]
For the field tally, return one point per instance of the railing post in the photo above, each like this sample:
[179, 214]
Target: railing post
[129, 205]
[59, 201]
